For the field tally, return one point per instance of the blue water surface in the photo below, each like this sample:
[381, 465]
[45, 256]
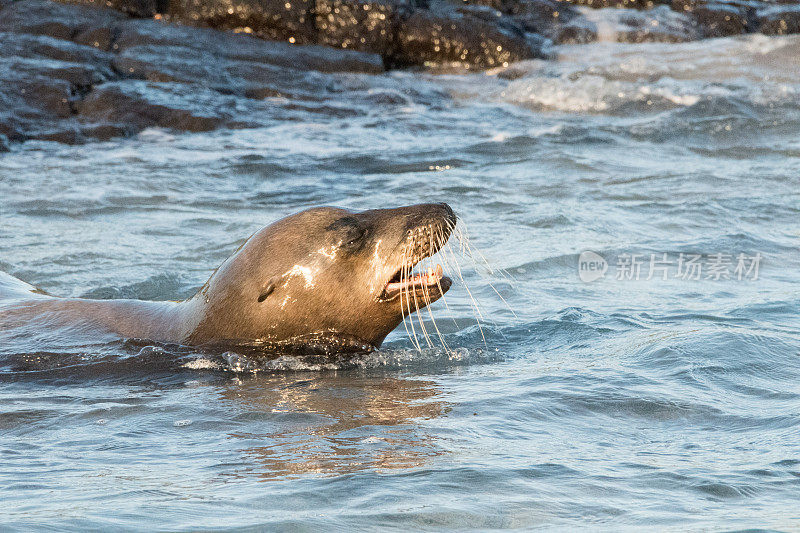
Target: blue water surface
[613, 404]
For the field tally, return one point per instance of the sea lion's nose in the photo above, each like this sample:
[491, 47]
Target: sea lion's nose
[424, 214]
[442, 212]
[449, 213]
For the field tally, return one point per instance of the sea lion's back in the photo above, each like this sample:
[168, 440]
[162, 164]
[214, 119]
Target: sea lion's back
[13, 287]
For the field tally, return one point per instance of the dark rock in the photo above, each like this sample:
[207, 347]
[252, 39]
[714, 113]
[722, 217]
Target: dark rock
[213, 43]
[59, 21]
[558, 21]
[260, 81]
[225, 75]
[187, 79]
[134, 8]
[635, 4]
[156, 74]
[68, 135]
[70, 72]
[150, 63]
[28, 101]
[452, 37]
[715, 18]
[539, 15]
[720, 20]
[11, 127]
[51, 97]
[100, 38]
[280, 20]
[359, 25]
[81, 78]
[394, 29]
[73, 132]
[99, 28]
[135, 105]
[40, 82]
[103, 132]
[779, 20]
[42, 47]
[577, 31]
[486, 13]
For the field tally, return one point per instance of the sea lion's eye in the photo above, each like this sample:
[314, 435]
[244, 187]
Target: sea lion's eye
[350, 232]
[354, 236]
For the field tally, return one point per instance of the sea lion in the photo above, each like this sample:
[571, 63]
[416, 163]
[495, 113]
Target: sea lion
[324, 277]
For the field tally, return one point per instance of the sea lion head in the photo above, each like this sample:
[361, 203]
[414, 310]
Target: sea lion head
[326, 273]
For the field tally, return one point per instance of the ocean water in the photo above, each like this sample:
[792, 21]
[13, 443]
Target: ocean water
[624, 402]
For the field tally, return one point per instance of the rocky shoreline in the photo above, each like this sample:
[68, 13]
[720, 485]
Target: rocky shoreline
[477, 33]
[76, 71]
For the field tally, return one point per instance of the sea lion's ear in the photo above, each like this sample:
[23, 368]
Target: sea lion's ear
[267, 290]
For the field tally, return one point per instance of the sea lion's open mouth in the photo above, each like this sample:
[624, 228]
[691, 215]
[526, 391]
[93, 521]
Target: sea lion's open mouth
[427, 286]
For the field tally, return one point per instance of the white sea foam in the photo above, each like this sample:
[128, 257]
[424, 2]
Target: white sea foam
[610, 77]
[203, 363]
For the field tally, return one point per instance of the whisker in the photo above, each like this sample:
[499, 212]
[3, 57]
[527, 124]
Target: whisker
[481, 263]
[427, 298]
[463, 282]
[404, 295]
[474, 302]
[438, 239]
[419, 317]
[446, 262]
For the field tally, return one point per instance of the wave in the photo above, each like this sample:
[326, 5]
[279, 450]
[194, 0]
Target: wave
[750, 72]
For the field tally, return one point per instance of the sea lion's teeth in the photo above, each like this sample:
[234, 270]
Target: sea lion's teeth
[439, 270]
